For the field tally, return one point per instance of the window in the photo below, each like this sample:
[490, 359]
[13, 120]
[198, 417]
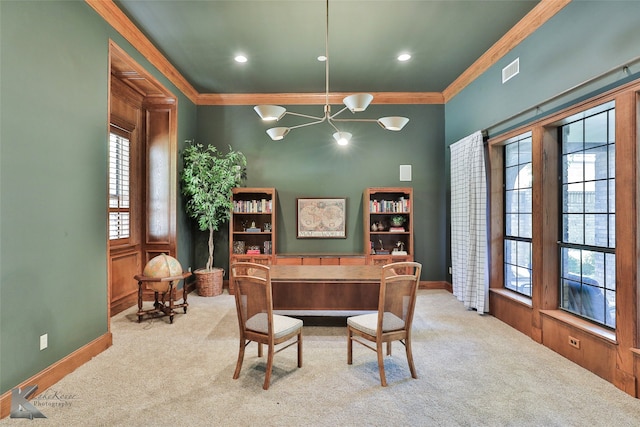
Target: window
[119, 191]
[517, 211]
[587, 200]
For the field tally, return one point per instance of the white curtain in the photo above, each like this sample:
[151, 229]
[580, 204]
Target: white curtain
[469, 223]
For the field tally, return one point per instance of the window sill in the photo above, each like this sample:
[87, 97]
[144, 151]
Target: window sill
[514, 296]
[585, 326]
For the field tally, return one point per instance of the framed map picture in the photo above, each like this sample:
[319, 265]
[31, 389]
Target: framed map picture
[322, 218]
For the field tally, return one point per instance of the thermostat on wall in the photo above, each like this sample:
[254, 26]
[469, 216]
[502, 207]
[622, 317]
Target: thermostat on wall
[405, 172]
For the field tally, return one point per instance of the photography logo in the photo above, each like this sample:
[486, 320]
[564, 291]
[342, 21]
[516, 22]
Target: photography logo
[21, 407]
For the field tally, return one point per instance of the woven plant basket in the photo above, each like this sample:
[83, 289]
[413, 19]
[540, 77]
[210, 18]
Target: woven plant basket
[209, 283]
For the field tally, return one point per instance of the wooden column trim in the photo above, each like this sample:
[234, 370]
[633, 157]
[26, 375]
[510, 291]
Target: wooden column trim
[545, 223]
[626, 238]
[496, 215]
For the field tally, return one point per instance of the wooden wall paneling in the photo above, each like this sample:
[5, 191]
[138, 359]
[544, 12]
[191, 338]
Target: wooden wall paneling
[124, 288]
[125, 112]
[594, 353]
[161, 182]
[626, 239]
[512, 310]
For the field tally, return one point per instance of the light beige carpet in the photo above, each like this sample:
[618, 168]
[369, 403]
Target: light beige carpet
[473, 371]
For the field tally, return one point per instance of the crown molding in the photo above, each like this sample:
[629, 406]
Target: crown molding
[108, 10]
[315, 98]
[533, 20]
[540, 14]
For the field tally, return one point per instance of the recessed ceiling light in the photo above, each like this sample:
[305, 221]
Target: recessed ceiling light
[322, 58]
[240, 58]
[404, 57]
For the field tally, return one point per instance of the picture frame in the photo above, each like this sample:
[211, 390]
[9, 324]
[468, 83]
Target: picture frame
[321, 218]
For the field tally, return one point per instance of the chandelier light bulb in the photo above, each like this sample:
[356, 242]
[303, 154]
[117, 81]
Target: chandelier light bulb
[342, 138]
[270, 113]
[277, 134]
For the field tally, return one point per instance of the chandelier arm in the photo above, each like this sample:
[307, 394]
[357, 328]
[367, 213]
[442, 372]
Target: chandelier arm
[305, 115]
[343, 108]
[307, 124]
[330, 121]
[356, 120]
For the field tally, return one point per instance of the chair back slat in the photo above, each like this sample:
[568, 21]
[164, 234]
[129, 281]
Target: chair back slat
[253, 292]
[398, 290]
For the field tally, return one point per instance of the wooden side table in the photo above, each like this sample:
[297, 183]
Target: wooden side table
[160, 305]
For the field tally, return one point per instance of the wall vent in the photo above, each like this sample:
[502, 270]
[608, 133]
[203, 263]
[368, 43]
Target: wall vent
[511, 70]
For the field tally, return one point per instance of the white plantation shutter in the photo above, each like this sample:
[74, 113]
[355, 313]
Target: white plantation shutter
[119, 194]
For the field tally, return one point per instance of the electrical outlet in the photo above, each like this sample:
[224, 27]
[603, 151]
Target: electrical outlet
[449, 270]
[574, 342]
[44, 341]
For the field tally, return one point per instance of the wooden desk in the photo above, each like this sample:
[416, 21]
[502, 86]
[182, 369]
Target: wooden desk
[325, 287]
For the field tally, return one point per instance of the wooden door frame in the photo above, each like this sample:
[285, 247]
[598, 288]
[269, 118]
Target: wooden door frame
[158, 131]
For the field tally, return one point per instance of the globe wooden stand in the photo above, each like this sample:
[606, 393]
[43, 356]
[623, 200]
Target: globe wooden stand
[161, 307]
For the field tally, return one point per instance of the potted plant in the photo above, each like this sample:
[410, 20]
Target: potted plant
[397, 221]
[208, 176]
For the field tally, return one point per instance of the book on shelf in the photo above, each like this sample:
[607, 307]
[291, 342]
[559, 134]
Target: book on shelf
[396, 229]
[382, 252]
[253, 252]
[252, 206]
[253, 230]
[401, 205]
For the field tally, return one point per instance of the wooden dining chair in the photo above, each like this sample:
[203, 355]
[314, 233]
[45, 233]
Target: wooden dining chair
[256, 319]
[392, 321]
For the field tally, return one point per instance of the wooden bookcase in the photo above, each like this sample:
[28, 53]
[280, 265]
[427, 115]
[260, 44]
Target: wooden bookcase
[384, 242]
[252, 227]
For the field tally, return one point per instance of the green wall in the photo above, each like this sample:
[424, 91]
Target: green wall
[53, 180]
[308, 163]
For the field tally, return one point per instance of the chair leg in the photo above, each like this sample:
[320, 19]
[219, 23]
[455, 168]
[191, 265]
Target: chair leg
[388, 348]
[349, 346]
[259, 349]
[383, 378]
[236, 374]
[300, 349]
[412, 368]
[267, 374]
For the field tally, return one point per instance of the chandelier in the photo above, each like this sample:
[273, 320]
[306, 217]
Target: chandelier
[355, 103]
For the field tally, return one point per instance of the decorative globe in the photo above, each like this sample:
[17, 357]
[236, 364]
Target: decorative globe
[162, 266]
